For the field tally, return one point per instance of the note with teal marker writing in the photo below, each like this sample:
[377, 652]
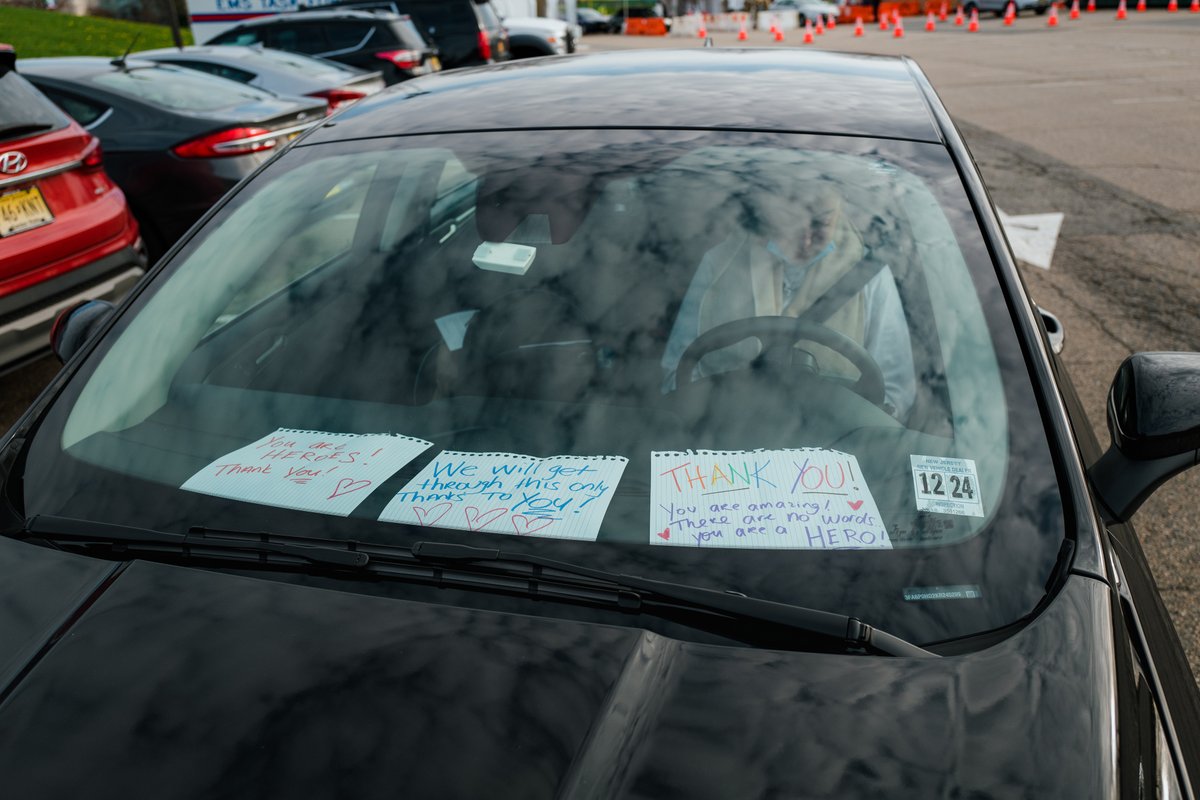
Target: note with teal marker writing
[558, 497]
[768, 499]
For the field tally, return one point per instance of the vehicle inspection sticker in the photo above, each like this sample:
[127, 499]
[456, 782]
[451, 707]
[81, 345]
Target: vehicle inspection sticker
[947, 486]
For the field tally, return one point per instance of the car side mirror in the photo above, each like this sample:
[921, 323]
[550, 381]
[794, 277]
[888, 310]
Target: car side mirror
[77, 324]
[1154, 420]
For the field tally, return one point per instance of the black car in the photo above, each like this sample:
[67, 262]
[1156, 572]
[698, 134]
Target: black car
[495, 450]
[277, 71]
[592, 21]
[174, 140]
[369, 39]
[467, 32]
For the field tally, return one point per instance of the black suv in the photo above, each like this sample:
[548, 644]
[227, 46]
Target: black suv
[467, 33]
[370, 39]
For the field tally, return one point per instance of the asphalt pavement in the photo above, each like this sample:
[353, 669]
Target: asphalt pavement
[1095, 118]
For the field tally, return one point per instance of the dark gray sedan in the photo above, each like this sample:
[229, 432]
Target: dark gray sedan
[276, 71]
[174, 140]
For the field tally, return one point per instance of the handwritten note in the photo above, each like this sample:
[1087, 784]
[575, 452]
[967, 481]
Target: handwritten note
[777, 499]
[560, 497]
[330, 473]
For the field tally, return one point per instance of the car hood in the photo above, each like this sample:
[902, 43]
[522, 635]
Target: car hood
[202, 684]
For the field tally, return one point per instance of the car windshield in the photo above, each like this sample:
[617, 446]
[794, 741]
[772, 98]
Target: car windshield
[24, 111]
[780, 365]
[180, 89]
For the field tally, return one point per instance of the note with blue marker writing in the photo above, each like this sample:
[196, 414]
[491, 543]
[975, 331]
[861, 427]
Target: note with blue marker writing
[559, 497]
[805, 499]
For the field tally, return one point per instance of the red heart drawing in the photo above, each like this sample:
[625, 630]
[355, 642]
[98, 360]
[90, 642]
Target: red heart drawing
[855, 504]
[426, 516]
[346, 486]
[665, 533]
[531, 525]
[476, 521]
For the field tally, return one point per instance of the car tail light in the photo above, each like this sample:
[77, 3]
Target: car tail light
[403, 59]
[336, 98]
[231, 142]
[485, 46]
[93, 158]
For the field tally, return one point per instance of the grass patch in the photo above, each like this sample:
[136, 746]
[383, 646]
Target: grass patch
[36, 34]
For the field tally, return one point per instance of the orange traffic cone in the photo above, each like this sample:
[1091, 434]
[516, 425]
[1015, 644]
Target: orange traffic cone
[703, 32]
[1195, 9]
[899, 32]
[819, 30]
[973, 25]
[742, 35]
[1121, 13]
[808, 31]
[1010, 13]
[943, 12]
[958, 17]
[1052, 20]
[930, 25]
[883, 24]
[858, 26]
[1091, 6]
[779, 34]
[1141, 6]
[830, 23]
[1074, 9]
[1172, 6]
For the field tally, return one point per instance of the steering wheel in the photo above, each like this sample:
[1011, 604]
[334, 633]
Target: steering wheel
[778, 335]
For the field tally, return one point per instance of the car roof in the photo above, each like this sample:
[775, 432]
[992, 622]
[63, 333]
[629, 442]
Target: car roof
[703, 88]
[225, 53]
[80, 67]
[316, 15]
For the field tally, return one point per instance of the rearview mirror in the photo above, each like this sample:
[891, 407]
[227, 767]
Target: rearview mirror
[75, 325]
[1154, 420]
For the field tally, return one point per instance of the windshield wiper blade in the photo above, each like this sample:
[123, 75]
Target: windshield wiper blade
[852, 631]
[197, 540]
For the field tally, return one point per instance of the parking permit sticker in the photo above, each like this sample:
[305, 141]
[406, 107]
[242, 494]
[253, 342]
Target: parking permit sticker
[558, 497]
[946, 486]
[805, 499]
[330, 473]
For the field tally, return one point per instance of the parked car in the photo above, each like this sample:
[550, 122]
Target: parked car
[276, 71]
[464, 452]
[998, 7]
[591, 20]
[370, 39]
[65, 230]
[175, 139]
[616, 23]
[530, 37]
[807, 9]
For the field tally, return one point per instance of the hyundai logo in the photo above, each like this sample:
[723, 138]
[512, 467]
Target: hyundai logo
[13, 162]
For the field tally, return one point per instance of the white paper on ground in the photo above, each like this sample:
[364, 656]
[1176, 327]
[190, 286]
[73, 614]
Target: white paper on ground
[775, 499]
[559, 497]
[1033, 237]
[330, 473]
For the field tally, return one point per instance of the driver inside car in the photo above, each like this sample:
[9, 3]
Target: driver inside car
[809, 249]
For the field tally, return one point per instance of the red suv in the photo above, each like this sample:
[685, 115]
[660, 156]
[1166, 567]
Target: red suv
[65, 231]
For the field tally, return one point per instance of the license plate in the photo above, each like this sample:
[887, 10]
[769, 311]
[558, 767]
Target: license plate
[435, 63]
[22, 210]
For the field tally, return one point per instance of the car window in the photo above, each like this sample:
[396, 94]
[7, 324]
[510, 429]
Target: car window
[348, 35]
[24, 111]
[408, 34]
[85, 112]
[245, 36]
[777, 364]
[220, 70]
[488, 19]
[300, 37]
[442, 17]
[316, 68]
[179, 90]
